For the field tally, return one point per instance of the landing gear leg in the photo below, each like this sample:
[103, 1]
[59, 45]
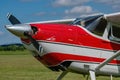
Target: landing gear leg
[62, 75]
[111, 78]
[92, 75]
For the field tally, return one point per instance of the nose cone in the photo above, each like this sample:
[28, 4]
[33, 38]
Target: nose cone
[19, 30]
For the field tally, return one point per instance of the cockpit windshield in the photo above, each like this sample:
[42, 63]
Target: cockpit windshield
[86, 21]
[95, 24]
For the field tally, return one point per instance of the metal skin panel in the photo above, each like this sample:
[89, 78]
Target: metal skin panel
[63, 43]
[83, 68]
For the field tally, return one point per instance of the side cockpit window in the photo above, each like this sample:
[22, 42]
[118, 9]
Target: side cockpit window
[114, 33]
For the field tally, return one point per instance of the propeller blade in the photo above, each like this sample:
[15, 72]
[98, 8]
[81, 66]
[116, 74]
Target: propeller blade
[13, 19]
[34, 42]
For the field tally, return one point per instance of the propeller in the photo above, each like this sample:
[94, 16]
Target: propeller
[34, 42]
[13, 19]
[23, 31]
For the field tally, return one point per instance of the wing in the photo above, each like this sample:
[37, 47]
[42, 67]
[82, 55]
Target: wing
[114, 29]
[63, 21]
[113, 18]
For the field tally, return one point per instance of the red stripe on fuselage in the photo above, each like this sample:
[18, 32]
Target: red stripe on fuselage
[55, 58]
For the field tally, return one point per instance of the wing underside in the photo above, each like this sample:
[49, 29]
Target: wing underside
[113, 18]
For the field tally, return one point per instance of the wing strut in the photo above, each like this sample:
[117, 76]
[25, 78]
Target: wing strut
[107, 60]
[111, 78]
[92, 72]
[92, 75]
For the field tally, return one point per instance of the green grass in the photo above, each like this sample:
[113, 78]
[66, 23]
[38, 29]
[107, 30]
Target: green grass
[26, 67]
[25, 52]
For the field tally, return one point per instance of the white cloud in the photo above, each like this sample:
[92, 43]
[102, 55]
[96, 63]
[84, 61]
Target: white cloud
[76, 7]
[113, 3]
[69, 2]
[79, 10]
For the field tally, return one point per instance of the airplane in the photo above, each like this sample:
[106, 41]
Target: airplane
[87, 45]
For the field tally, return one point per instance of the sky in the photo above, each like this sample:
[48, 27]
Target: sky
[44, 10]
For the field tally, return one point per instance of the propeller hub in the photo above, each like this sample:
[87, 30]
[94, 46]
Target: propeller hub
[20, 29]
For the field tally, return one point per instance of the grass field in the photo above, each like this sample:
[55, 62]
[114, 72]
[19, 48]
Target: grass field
[22, 66]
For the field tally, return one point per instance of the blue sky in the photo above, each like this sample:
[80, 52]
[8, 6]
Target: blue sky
[41, 10]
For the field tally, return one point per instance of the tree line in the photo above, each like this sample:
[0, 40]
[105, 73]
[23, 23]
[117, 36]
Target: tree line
[12, 47]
